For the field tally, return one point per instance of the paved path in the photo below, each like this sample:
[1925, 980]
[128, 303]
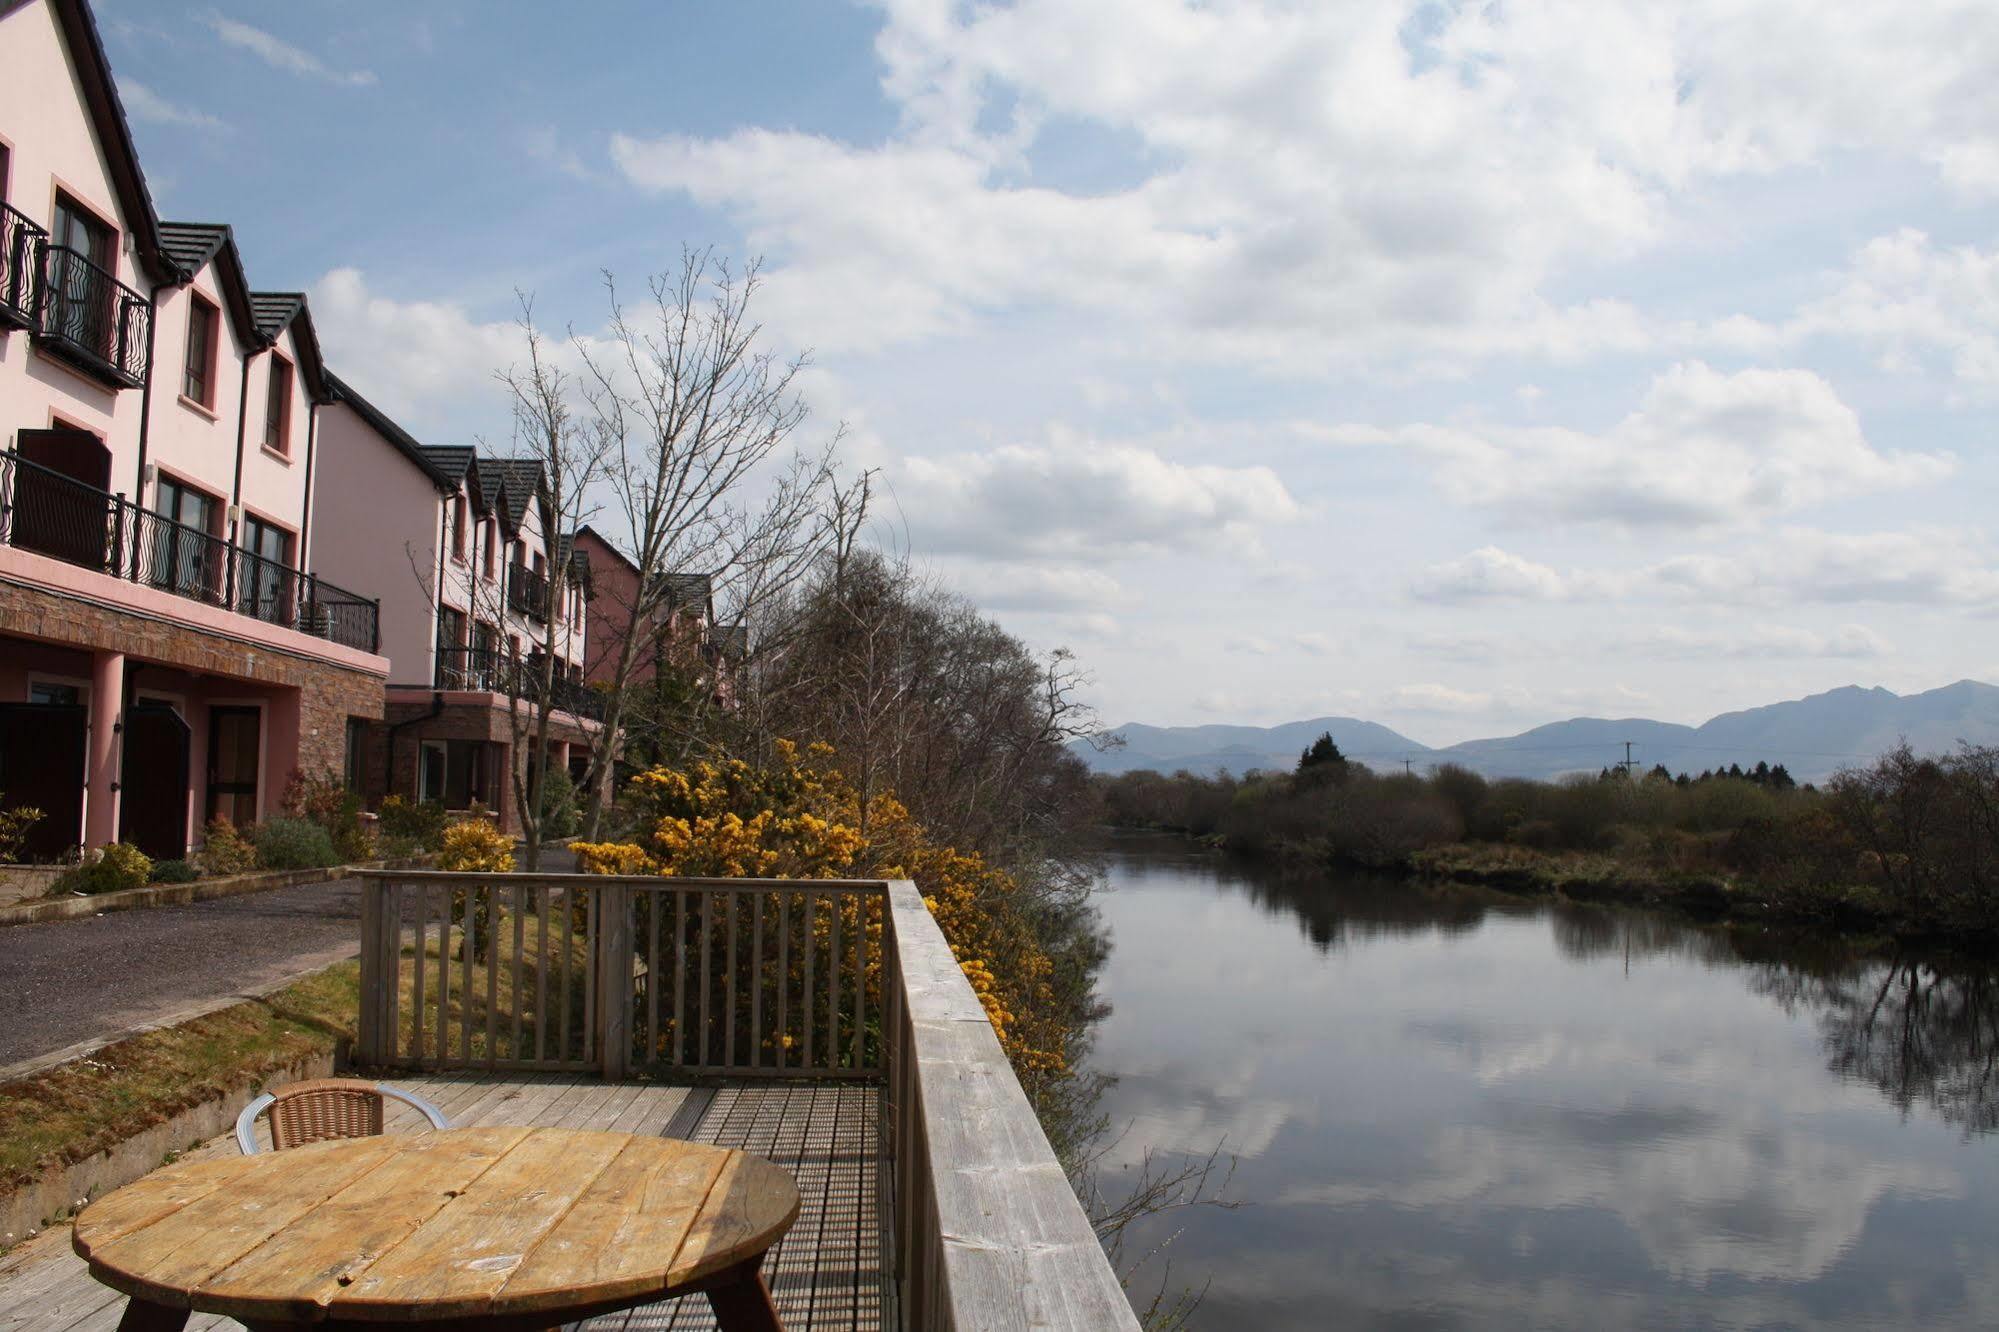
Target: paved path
[69, 985]
[67, 982]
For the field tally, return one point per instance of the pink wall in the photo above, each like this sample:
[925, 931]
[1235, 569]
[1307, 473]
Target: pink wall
[52, 145]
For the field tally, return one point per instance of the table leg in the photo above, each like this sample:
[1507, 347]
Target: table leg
[145, 1316]
[742, 1301]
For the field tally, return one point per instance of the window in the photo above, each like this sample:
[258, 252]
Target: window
[492, 548]
[450, 627]
[50, 694]
[181, 554]
[198, 377]
[263, 584]
[357, 739]
[278, 407]
[79, 229]
[458, 529]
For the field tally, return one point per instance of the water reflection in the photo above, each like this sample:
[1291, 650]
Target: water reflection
[1454, 1110]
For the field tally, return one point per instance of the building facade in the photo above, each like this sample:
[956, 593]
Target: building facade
[459, 546]
[167, 655]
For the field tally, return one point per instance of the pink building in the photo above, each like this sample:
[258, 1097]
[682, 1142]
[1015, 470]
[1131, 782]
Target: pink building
[458, 547]
[165, 657]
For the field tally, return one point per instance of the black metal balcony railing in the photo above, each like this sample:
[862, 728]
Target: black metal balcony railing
[20, 265]
[527, 593]
[92, 320]
[44, 511]
[490, 670]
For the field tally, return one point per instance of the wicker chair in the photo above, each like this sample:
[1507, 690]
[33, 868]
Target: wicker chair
[325, 1108]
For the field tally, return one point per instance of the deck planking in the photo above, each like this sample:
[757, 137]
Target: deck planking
[825, 1275]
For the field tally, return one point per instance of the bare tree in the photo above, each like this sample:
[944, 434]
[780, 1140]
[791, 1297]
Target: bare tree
[696, 419]
[569, 459]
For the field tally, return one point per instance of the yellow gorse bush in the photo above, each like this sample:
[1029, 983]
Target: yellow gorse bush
[475, 845]
[801, 818]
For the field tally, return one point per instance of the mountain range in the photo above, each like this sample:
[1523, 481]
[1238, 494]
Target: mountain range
[1814, 737]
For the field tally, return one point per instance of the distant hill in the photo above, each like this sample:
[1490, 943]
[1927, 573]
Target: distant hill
[1813, 737]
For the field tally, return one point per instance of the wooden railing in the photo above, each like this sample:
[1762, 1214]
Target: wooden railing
[803, 978]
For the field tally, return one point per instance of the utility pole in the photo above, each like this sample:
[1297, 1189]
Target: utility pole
[1408, 768]
[1630, 765]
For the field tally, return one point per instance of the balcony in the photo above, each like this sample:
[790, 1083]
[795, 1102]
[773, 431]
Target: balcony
[87, 317]
[489, 670]
[933, 1200]
[51, 514]
[20, 251]
[527, 593]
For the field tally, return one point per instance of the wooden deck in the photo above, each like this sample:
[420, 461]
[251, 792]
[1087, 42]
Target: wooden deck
[825, 1274]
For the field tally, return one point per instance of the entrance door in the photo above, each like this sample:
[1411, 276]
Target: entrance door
[62, 505]
[430, 771]
[235, 739]
[152, 812]
[41, 765]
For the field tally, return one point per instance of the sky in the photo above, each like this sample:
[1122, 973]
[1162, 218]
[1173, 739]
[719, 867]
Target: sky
[1461, 367]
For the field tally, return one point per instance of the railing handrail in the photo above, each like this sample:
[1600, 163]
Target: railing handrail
[987, 1230]
[141, 536]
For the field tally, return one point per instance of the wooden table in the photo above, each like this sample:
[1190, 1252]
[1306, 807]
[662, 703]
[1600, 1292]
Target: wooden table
[487, 1228]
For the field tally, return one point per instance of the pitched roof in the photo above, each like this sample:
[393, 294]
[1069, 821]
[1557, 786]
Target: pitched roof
[515, 481]
[732, 640]
[688, 589]
[454, 460]
[193, 246]
[114, 132]
[401, 439]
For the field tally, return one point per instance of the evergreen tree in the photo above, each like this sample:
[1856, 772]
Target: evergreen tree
[1320, 753]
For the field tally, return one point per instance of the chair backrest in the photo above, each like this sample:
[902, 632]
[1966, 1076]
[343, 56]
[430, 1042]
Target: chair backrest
[324, 1108]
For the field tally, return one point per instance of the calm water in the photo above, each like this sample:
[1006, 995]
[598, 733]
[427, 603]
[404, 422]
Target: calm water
[1450, 1113]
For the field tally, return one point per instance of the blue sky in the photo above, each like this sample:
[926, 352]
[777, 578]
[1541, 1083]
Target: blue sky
[1459, 367]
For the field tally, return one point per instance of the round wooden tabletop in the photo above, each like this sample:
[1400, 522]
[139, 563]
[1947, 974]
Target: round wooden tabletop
[483, 1223]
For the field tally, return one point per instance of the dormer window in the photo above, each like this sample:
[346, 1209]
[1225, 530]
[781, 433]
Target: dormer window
[492, 548]
[458, 529]
[198, 376]
[278, 406]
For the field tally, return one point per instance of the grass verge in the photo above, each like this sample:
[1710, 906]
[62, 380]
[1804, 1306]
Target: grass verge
[68, 1113]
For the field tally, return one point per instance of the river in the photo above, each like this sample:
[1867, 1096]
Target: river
[1453, 1110]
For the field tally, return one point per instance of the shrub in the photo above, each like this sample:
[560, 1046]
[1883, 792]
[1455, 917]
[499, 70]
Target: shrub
[293, 844]
[421, 822]
[560, 816]
[116, 867]
[174, 871]
[15, 825]
[326, 801]
[225, 850]
[476, 845]
[397, 848]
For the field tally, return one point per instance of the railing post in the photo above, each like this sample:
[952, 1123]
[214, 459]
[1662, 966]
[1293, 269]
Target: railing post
[613, 979]
[375, 632]
[368, 1037]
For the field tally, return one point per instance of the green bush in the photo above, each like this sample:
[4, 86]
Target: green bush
[293, 844]
[326, 801]
[116, 867]
[174, 871]
[418, 822]
[560, 816]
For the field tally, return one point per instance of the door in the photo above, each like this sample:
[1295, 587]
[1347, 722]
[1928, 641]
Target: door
[184, 555]
[62, 504]
[235, 744]
[41, 765]
[152, 810]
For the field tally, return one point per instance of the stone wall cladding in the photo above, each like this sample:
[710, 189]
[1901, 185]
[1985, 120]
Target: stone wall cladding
[329, 693]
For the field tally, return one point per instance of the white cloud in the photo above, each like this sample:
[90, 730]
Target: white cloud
[1441, 699]
[1916, 302]
[1846, 642]
[1492, 574]
[1033, 587]
[1318, 183]
[1703, 449]
[1075, 496]
[280, 54]
[145, 104]
[1791, 566]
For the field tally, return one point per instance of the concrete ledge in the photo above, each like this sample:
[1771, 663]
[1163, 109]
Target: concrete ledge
[62, 1189]
[181, 894]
